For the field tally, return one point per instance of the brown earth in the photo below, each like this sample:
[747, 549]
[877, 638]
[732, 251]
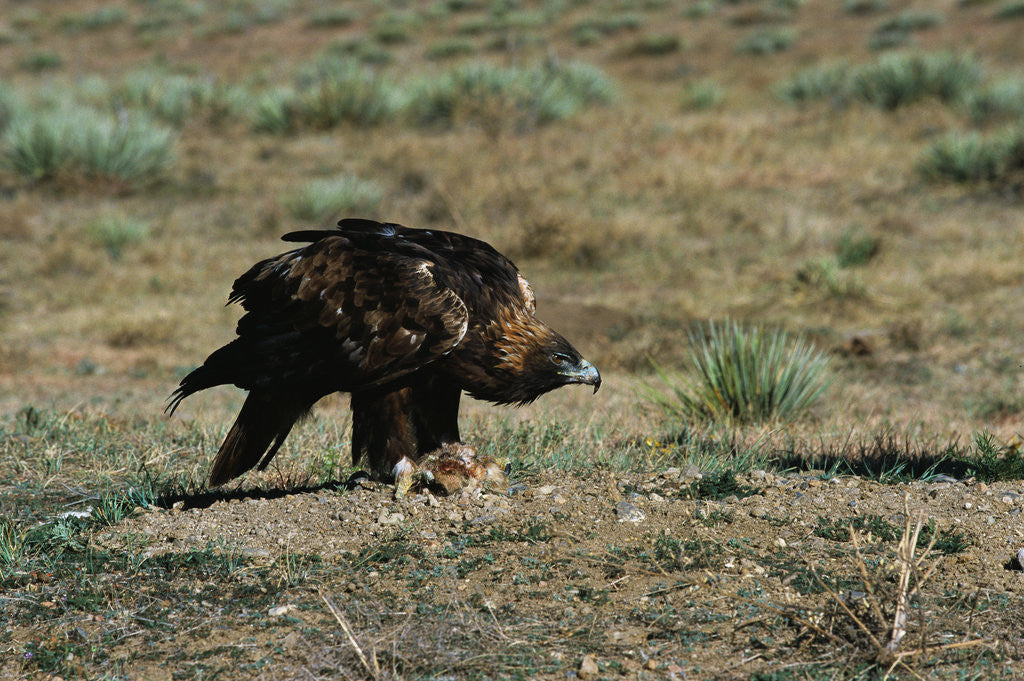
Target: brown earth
[624, 569]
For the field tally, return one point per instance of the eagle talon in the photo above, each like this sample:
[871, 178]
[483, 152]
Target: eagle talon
[416, 479]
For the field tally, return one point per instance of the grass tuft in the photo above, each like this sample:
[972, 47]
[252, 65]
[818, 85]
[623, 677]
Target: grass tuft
[275, 111]
[88, 144]
[41, 61]
[116, 232]
[703, 95]
[899, 79]
[911, 21]
[891, 81]
[450, 48]
[489, 94]
[1003, 100]
[37, 146]
[325, 199]
[593, 30]
[816, 82]
[971, 158]
[335, 90]
[862, 7]
[101, 18]
[823, 276]
[168, 96]
[855, 247]
[768, 41]
[394, 28]
[124, 148]
[747, 375]
[1014, 9]
[331, 17]
[655, 45]
[992, 461]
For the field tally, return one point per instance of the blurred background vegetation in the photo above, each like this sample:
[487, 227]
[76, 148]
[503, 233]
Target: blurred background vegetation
[846, 172]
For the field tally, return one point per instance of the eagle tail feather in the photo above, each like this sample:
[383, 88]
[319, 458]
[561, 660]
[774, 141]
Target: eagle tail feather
[259, 431]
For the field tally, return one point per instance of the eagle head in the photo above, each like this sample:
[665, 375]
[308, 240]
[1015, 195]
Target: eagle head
[529, 359]
[569, 366]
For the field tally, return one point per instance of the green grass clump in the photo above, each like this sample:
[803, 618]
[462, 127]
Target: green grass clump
[275, 111]
[41, 61]
[529, 96]
[655, 45]
[10, 106]
[889, 40]
[768, 41]
[168, 96]
[1014, 9]
[1003, 100]
[703, 94]
[911, 21]
[335, 90]
[822, 276]
[12, 547]
[326, 199]
[592, 30]
[452, 47]
[898, 31]
[891, 81]
[331, 91]
[970, 158]
[37, 146]
[860, 7]
[132, 149]
[855, 247]
[116, 232]
[331, 17]
[101, 18]
[991, 461]
[90, 144]
[362, 50]
[816, 82]
[744, 374]
[898, 79]
[394, 28]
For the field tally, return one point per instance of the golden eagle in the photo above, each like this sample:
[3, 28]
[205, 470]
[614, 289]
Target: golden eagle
[403, 319]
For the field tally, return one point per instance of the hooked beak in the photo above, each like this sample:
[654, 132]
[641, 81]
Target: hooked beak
[585, 373]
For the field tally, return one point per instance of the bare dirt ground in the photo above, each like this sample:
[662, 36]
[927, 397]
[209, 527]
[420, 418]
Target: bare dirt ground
[631, 573]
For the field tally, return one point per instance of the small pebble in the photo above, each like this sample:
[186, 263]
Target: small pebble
[690, 471]
[1020, 558]
[280, 610]
[588, 668]
[629, 513]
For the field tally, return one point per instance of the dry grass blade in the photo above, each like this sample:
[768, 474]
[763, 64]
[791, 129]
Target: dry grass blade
[372, 669]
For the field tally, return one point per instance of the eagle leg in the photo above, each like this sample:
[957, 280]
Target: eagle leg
[452, 467]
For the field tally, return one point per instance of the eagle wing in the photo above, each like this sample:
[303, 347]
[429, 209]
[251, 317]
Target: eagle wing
[338, 314]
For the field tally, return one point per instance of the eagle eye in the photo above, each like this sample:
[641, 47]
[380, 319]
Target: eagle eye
[559, 359]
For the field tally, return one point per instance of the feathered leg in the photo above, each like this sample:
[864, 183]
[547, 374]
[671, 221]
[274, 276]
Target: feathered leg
[383, 431]
[410, 435]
